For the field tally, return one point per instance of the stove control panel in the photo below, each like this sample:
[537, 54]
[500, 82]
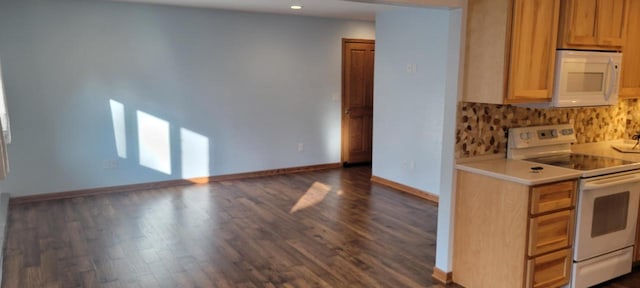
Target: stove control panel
[547, 133]
[568, 131]
[538, 136]
[525, 135]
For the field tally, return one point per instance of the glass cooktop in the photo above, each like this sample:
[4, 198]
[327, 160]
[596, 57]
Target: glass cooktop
[580, 161]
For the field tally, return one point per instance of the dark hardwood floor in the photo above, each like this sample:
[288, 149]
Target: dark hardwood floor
[631, 280]
[320, 229]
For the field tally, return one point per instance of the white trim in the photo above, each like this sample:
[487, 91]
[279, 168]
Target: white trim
[446, 203]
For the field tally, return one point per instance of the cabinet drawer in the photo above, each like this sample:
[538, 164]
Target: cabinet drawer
[546, 198]
[550, 232]
[551, 270]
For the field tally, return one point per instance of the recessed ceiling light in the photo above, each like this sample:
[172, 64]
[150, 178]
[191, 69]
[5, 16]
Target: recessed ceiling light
[296, 7]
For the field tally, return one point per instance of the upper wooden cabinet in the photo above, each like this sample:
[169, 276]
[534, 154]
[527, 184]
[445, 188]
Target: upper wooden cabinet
[630, 83]
[593, 24]
[510, 50]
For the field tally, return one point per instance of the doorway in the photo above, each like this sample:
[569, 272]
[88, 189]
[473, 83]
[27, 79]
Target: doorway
[357, 100]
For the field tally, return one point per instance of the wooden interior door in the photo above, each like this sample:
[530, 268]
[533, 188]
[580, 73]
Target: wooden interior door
[357, 100]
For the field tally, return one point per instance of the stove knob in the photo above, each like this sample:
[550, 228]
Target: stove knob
[554, 133]
[525, 135]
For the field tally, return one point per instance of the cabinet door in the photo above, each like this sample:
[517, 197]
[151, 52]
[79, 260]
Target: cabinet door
[630, 85]
[532, 56]
[582, 22]
[593, 24]
[636, 248]
[550, 270]
[611, 21]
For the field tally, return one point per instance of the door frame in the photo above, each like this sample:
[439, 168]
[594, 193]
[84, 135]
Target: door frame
[343, 139]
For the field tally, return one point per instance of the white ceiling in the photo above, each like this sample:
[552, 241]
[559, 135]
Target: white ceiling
[345, 9]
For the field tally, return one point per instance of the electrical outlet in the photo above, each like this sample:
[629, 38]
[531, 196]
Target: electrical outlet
[409, 165]
[412, 68]
[110, 164]
[300, 147]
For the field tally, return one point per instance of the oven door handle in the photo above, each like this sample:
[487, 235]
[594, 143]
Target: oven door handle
[611, 181]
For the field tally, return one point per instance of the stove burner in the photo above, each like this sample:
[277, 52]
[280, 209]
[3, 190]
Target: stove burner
[580, 161]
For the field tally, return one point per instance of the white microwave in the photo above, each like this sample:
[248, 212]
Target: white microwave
[586, 78]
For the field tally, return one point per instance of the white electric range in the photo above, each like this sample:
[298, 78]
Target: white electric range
[607, 205]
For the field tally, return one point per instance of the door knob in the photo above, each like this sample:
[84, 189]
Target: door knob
[347, 111]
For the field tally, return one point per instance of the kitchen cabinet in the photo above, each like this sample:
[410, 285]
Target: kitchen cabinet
[551, 270]
[630, 82]
[510, 50]
[507, 234]
[593, 24]
[636, 247]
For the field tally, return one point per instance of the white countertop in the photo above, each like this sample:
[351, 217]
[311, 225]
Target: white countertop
[519, 171]
[605, 149]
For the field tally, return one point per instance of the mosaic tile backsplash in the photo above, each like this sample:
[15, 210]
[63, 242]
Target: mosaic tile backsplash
[482, 128]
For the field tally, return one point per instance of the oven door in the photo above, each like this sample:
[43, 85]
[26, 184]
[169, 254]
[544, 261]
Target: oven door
[607, 213]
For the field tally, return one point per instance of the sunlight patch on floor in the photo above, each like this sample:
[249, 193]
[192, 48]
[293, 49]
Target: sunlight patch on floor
[314, 195]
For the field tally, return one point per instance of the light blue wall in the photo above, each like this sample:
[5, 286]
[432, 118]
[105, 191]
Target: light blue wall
[253, 85]
[409, 106]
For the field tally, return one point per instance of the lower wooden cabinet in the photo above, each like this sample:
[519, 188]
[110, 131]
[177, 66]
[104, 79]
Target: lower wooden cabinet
[511, 235]
[636, 247]
[550, 270]
[550, 232]
[552, 197]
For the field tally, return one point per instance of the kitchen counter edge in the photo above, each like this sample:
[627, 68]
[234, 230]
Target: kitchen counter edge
[518, 171]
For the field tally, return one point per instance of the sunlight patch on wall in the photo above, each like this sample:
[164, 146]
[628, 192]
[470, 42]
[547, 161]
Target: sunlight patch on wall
[4, 114]
[195, 154]
[331, 133]
[154, 142]
[119, 128]
[314, 195]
